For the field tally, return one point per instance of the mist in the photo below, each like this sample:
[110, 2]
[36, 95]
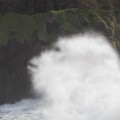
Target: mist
[78, 79]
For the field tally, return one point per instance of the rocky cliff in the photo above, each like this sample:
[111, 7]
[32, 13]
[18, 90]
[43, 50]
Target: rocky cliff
[24, 35]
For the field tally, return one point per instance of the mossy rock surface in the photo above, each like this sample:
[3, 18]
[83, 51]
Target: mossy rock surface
[70, 21]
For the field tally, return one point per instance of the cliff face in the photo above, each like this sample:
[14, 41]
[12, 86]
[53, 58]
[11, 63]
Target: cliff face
[17, 29]
[23, 36]
[36, 6]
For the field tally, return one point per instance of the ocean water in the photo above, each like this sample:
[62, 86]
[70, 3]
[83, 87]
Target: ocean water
[78, 79]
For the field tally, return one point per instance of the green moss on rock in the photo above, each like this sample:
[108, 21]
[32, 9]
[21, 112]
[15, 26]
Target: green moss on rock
[70, 21]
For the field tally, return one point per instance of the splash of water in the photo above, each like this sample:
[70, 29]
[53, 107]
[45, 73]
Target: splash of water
[78, 81]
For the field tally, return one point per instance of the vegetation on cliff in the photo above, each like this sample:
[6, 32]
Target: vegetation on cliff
[22, 27]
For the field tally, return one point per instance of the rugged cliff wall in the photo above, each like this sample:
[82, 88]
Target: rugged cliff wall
[23, 36]
[26, 29]
[36, 6]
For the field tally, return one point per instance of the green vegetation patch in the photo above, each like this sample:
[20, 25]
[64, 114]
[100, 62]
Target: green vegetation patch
[70, 20]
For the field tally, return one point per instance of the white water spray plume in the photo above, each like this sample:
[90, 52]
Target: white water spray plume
[78, 81]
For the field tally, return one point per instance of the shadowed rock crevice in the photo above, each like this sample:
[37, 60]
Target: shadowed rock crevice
[15, 79]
